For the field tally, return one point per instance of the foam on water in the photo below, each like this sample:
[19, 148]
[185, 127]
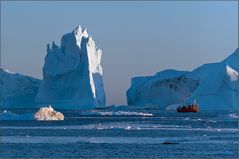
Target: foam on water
[115, 113]
[125, 126]
[228, 117]
[233, 115]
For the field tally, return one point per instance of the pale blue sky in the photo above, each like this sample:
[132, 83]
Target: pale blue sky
[137, 38]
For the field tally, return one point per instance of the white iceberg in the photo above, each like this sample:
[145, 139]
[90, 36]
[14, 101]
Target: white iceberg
[214, 86]
[72, 74]
[48, 113]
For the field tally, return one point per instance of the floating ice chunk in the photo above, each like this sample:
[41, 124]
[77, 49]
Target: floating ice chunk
[48, 113]
[116, 113]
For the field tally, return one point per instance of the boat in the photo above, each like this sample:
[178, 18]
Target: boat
[188, 108]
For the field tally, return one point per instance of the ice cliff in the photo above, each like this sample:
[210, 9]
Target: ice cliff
[214, 86]
[72, 74]
[16, 90]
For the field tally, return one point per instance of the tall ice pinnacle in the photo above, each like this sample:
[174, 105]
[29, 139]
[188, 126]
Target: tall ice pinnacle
[72, 74]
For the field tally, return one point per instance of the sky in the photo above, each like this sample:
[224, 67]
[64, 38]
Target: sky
[137, 38]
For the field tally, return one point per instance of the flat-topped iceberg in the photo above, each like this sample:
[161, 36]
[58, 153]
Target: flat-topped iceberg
[214, 86]
[72, 74]
[48, 113]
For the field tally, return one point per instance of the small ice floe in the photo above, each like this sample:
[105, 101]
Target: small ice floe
[48, 113]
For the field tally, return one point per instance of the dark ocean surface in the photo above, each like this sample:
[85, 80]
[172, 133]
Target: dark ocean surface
[166, 134]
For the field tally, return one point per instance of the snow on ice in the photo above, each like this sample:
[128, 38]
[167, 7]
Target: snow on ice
[72, 74]
[214, 86]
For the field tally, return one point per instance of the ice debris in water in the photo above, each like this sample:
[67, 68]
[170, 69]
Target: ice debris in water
[48, 113]
[118, 113]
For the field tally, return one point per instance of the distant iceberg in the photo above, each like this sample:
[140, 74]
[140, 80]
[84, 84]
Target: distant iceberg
[214, 86]
[16, 90]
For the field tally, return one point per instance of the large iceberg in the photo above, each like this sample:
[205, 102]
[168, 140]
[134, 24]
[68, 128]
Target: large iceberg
[72, 74]
[16, 90]
[214, 86]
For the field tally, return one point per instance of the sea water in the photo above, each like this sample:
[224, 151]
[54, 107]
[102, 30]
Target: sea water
[133, 133]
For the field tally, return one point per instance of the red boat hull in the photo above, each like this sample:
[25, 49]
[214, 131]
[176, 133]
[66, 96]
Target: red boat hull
[186, 109]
